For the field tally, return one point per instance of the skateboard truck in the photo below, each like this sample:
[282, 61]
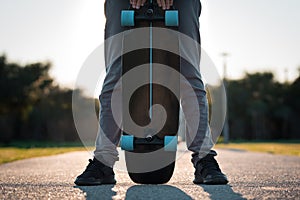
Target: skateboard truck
[128, 142]
[149, 12]
[149, 138]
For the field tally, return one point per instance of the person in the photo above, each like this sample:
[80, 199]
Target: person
[100, 169]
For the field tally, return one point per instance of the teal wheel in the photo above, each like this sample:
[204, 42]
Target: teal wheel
[171, 18]
[170, 143]
[127, 142]
[127, 18]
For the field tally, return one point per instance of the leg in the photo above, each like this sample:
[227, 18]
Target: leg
[109, 132]
[207, 168]
[99, 170]
[201, 144]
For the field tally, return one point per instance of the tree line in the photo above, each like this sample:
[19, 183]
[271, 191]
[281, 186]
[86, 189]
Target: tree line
[34, 107]
[261, 108]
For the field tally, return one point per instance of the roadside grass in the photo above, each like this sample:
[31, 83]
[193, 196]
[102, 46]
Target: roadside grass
[266, 147]
[18, 150]
[22, 150]
[9, 154]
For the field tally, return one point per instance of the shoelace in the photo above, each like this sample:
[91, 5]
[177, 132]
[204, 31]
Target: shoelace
[209, 164]
[91, 164]
[94, 164]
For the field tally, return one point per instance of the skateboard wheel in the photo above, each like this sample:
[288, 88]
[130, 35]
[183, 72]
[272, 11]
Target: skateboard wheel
[127, 142]
[170, 143]
[127, 18]
[171, 18]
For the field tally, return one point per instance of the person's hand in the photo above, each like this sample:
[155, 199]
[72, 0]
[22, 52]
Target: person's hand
[165, 4]
[137, 3]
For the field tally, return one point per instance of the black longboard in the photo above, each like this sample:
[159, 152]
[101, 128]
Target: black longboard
[138, 146]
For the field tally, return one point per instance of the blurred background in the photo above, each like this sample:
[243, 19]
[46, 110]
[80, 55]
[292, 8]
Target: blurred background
[255, 45]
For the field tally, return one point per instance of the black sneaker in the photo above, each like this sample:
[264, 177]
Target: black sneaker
[96, 173]
[209, 172]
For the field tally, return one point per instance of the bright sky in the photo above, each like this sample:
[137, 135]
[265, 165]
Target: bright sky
[259, 35]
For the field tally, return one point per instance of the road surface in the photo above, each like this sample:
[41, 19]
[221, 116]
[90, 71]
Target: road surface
[251, 175]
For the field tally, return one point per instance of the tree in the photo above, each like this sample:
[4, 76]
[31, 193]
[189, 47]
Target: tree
[32, 107]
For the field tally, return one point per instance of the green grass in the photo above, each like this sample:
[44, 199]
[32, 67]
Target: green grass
[266, 147]
[9, 154]
[18, 150]
[42, 144]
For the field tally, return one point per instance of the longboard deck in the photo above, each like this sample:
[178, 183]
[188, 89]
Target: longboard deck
[140, 104]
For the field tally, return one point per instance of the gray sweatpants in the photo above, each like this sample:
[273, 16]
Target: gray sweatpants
[109, 132]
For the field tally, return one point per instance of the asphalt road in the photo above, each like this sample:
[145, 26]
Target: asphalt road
[251, 175]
